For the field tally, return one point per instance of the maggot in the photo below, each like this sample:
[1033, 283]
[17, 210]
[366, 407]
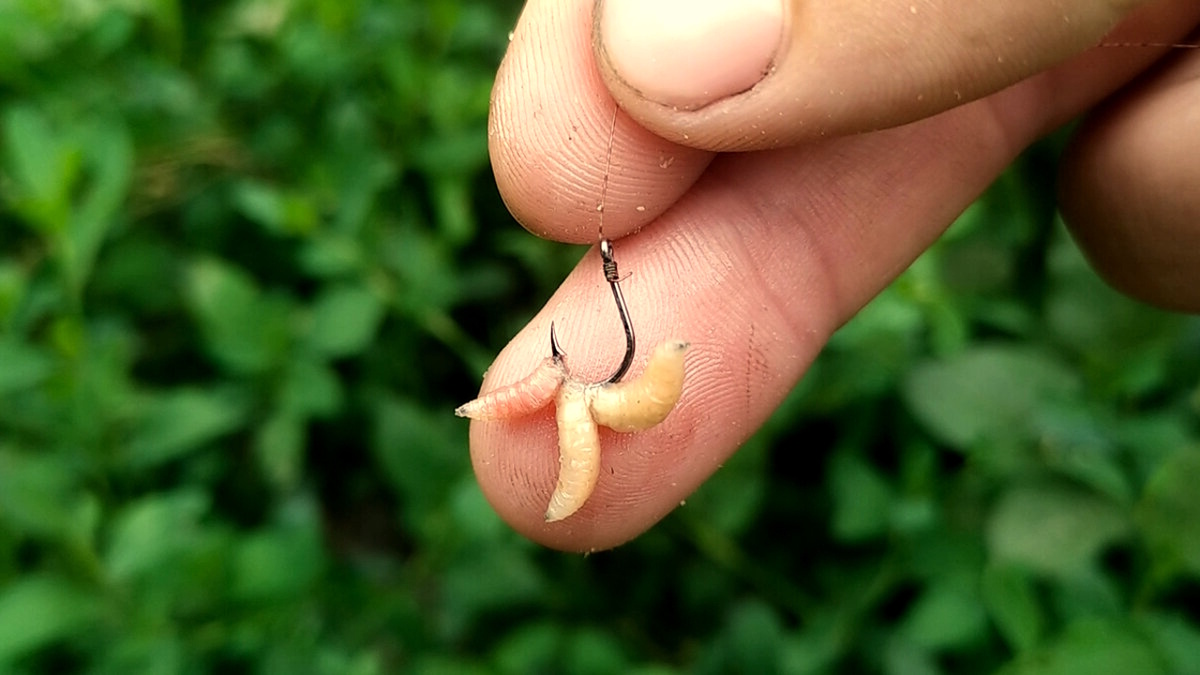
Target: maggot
[521, 398]
[578, 452]
[642, 403]
[581, 406]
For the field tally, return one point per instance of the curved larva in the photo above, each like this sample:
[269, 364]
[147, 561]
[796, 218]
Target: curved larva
[578, 452]
[642, 403]
[519, 398]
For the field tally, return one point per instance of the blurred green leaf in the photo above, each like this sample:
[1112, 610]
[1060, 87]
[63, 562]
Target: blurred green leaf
[1011, 598]
[153, 532]
[473, 517]
[41, 609]
[44, 166]
[421, 452]
[750, 641]
[439, 664]
[109, 162]
[344, 320]
[1053, 529]
[946, 616]
[1176, 639]
[813, 649]
[279, 444]
[1092, 647]
[246, 330]
[278, 563]
[730, 500]
[22, 365]
[40, 494]
[534, 647]
[987, 393]
[904, 657]
[282, 213]
[594, 652]
[225, 230]
[310, 389]
[488, 578]
[862, 499]
[328, 254]
[453, 201]
[179, 422]
[13, 285]
[1168, 516]
[148, 655]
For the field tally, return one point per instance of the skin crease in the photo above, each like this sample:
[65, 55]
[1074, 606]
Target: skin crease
[756, 258]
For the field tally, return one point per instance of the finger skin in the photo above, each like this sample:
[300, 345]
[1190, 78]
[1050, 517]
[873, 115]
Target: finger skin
[848, 67]
[757, 264]
[549, 129]
[1130, 187]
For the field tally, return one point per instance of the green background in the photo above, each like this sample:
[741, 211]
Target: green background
[251, 258]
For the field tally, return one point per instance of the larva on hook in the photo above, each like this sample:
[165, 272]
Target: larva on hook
[578, 452]
[642, 403]
[530, 394]
[581, 406]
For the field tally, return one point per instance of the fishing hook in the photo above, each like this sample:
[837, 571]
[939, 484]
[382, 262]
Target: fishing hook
[614, 280]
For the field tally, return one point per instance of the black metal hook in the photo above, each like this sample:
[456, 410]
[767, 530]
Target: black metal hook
[614, 281]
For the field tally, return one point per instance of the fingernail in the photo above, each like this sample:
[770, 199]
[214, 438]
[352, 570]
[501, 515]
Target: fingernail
[690, 53]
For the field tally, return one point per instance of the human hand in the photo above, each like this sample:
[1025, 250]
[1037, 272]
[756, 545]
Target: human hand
[757, 257]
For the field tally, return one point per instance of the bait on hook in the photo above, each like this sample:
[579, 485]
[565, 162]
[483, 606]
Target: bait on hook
[580, 406]
[634, 405]
[528, 395]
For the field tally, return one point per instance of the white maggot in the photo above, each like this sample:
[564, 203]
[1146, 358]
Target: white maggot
[578, 452]
[519, 398]
[642, 403]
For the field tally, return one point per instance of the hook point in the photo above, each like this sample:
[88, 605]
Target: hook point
[556, 351]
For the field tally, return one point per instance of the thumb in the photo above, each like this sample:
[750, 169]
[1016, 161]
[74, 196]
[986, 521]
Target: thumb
[756, 74]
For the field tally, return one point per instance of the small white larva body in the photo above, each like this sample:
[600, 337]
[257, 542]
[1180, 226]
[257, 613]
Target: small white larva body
[578, 452]
[642, 403]
[519, 398]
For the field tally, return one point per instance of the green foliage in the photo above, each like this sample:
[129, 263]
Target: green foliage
[250, 258]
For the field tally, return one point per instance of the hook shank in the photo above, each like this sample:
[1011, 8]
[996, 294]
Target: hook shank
[614, 280]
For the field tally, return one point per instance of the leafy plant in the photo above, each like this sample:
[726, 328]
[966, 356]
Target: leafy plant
[250, 258]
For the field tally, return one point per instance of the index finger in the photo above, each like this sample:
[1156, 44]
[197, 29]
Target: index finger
[551, 129]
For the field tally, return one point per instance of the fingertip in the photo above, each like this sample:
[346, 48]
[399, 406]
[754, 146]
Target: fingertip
[1127, 188]
[688, 53]
[673, 293]
[561, 150]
